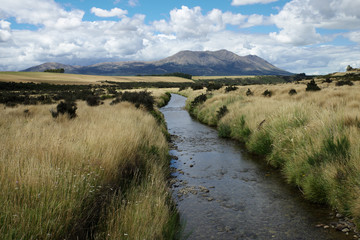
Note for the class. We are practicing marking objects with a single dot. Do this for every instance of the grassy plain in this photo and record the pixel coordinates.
(102, 175)
(64, 78)
(312, 137)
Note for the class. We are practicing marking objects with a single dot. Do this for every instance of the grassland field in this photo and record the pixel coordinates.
(101, 175)
(64, 78)
(104, 174)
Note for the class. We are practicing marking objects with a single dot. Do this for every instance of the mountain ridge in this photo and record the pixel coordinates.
(197, 63)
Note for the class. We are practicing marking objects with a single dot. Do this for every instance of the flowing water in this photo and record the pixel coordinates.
(222, 192)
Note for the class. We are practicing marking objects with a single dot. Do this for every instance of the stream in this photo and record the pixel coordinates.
(223, 192)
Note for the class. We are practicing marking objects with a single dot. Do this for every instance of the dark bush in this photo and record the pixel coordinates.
(138, 98)
(65, 108)
(312, 86)
(197, 86)
(327, 80)
(267, 93)
(292, 92)
(249, 92)
(93, 100)
(222, 112)
(231, 88)
(344, 82)
(183, 88)
(214, 86)
(59, 70)
(199, 99)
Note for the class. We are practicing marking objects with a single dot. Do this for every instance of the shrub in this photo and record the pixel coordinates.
(292, 92)
(138, 98)
(344, 82)
(312, 86)
(267, 93)
(197, 86)
(249, 92)
(199, 99)
(230, 88)
(214, 86)
(327, 80)
(221, 112)
(67, 107)
(93, 100)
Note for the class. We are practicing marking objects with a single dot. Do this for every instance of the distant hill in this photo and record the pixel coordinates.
(197, 63)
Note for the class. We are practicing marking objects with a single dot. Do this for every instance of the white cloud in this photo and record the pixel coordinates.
(115, 12)
(191, 23)
(248, 2)
(5, 31)
(40, 12)
(299, 20)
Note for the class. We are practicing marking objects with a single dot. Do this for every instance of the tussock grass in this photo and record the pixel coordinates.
(100, 175)
(312, 137)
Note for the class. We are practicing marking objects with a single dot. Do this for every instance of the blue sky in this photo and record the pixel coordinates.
(312, 36)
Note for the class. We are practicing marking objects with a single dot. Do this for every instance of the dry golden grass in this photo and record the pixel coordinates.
(64, 78)
(313, 137)
(57, 175)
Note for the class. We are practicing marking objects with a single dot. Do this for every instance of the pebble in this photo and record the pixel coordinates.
(345, 230)
(339, 215)
(326, 226)
(210, 199)
(191, 165)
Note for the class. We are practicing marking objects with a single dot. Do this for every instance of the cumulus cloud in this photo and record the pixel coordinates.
(299, 20)
(41, 12)
(5, 31)
(115, 12)
(191, 23)
(247, 2)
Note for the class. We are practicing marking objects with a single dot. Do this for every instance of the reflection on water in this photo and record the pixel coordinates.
(224, 193)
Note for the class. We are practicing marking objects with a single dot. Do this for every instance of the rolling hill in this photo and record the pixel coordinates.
(197, 63)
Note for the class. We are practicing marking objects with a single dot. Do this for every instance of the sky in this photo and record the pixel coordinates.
(300, 36)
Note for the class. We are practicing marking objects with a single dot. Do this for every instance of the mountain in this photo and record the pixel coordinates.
(52, 65)
(197, 63)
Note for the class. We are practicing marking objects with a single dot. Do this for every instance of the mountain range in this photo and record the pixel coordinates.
(197, 63)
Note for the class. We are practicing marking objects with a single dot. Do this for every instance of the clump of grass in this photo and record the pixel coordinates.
(224, 130)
